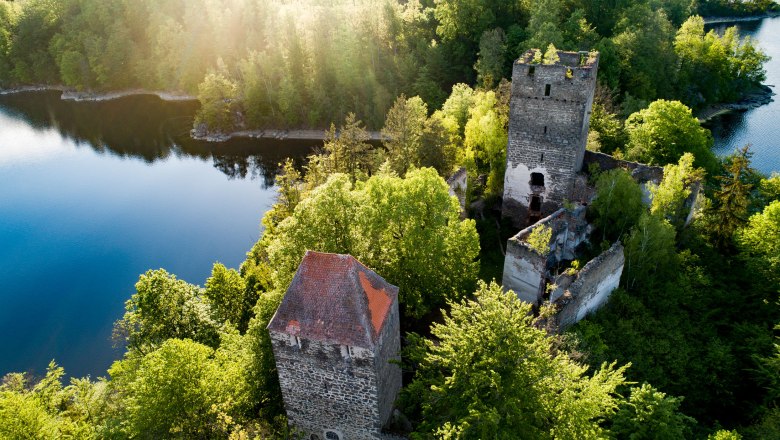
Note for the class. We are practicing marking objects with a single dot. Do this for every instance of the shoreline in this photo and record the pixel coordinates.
(70, 94)
(762, 96)
(736, 18)
(270, 133)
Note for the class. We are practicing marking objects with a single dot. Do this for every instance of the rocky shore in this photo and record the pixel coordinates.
(716, 20)
(70, 94)
(202, 134)
(761, 96)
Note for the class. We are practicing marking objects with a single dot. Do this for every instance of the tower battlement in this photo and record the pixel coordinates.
(550, 110)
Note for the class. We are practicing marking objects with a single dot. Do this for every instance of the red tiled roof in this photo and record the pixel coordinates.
(334, 298)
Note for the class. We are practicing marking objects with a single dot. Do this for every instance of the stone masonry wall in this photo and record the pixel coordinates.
(525, 270)
(592, 287)
(388, 371)
(457, 183)
(640, 172)
(547, 133)
(328, 387)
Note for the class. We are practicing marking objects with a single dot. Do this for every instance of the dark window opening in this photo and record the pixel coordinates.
(537, 179)
(541, 158)
(536, 203)
(546, 90)
(330, 435)
(545, 129)
(531, 70)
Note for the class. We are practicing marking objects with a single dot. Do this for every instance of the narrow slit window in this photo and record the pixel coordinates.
(547, 90)
(531, 70)
(545, 129)
(541, 158)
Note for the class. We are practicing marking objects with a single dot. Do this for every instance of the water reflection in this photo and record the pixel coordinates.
(758, 127)
(147, 128)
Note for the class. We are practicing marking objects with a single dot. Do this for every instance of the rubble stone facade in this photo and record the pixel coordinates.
(549, 115)
(335, 338)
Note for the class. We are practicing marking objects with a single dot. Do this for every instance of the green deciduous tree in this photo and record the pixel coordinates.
(618, 203)
(488, 372)
(217, 96)
(669, 197)
(760, 239)
(486, 138)
(407, 229)
(650, 251)
(661, 133)
(164, 307)
(182, 389)
(652, 415)
(228, 296)
(402, 133)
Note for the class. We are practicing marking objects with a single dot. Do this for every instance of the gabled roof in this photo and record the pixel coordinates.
(334, 298)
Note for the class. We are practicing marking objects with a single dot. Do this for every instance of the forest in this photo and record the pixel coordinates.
(686, 347)
(280, 64)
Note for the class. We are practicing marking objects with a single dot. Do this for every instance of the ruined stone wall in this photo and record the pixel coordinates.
(328, 387)
(592, 286)
(525, 270)
(640, 172)
(457, 183)
(388, 372)
(548, 129)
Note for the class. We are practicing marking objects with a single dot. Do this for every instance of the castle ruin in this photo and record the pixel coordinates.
(335, 338)
(549, 114)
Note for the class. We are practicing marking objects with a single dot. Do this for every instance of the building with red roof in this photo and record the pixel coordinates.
(335, 336)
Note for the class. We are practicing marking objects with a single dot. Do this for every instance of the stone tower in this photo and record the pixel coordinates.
(334, 337)
(549, 115)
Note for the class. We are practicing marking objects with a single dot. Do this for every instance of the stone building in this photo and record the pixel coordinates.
(549, 115)
(576, 293)
(335, 337)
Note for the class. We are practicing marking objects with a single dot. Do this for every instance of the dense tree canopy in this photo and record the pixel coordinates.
(489, 373)
(661, 133)
(306, 64)
(407, 229)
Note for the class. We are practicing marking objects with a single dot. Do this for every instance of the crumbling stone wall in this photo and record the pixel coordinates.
(640, 172)
(592, 286)
(457, 183)
(525, 269)
(349, 391)
(550, 110)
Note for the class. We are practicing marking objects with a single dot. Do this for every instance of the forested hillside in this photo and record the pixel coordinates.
(686, 347)
(308, 63)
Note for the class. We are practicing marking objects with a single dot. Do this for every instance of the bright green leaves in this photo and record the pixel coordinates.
(217, 95)
(164, 307)
(488, 372)
(663, 132)
(669, 198)
(408, 230)
(618, 203)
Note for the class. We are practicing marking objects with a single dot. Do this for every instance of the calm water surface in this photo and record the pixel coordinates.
(94, 194)
(758, 127)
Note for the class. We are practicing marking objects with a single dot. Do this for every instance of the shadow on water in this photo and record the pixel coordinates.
(757, 127)
(147, 128)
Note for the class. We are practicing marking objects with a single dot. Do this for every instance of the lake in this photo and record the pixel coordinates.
(758, 127)
(92, 194)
